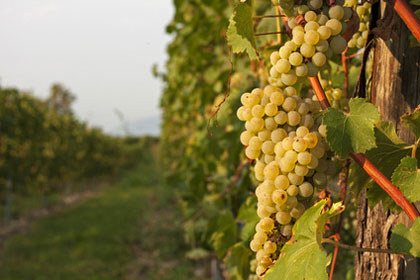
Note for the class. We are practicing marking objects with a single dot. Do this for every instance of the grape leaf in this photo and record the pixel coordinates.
(386, 156)
(225, 236)
(412, 121)
(303, 257)
(351, 131)
(248, 215)
(407, 178)
(406, 240)
(240, 32)
(237, 261)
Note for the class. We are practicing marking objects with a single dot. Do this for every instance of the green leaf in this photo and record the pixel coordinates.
(352, 131)
(389, 152)
(248, 215)
(240, 33)
(303, 257)
(406, 240)
(237, 262)
(407, 177)
(225, 236)
(412, 121)
(415, 2)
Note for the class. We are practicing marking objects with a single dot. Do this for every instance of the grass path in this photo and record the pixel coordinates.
(131, 231)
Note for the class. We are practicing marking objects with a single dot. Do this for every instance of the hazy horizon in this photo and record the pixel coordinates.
(103, 51)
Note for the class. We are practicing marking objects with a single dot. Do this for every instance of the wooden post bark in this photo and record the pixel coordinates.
(395, 90)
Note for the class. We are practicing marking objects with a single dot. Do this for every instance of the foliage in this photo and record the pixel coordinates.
(201, 151)
(406, 240)
(352, 131)
(303, 257)
(43, 146)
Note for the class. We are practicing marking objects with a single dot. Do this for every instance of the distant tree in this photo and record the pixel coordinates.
(60, 99)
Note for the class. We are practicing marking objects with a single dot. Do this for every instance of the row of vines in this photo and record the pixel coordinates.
(273, 153)
(44, 148)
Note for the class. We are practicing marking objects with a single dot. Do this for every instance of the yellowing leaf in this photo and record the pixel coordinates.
(303, 257)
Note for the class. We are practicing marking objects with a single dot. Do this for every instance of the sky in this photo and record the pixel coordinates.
(102, 50)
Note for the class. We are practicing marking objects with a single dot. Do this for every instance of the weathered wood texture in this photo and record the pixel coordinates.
(395, 90)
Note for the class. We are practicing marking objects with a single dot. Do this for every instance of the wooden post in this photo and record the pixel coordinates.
(395, 90)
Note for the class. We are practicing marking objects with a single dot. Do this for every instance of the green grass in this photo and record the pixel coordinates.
(131, 231)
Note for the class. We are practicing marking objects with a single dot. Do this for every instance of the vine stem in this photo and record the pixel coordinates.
(278, 26)
(358, 249)
(269, 16)
(414, 150)
(344, 59)
(394, 192)
(269, 33)
(408, 16)
(356, 54)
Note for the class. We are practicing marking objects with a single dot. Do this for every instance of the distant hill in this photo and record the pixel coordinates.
(146, 126)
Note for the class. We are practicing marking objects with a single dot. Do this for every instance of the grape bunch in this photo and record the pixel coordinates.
(363, 11)
(285, 138)
(316, 38)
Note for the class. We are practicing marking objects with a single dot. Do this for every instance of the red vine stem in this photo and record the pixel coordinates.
(408, 16)
(394, 192)
(344, 59)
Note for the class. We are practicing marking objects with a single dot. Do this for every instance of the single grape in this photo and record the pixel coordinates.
(289, 78)
(281, 182)
(283, 218)
(290, 91)
(293, 118)
(252, 154)
(274, 57)
(257, 111)
(271, 171)
(294, 178)
(277, 98)
(281, 117)
(268, 147)
(335, 26)
(283, 66)
(336, 12)
(306, 189)
(310, 15)
(319, 59)
(312, 37)
(278, 135)
(301, 70)
(289, 104)
(267, 224)
(295, 59)
(338, 44)
(312, 25)
(279, 197)
(301, 170)
(285, 52)
(304, 158)
(270, 124)
(307, 50)
(270, 247)
(314, 5)
(270, 109)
